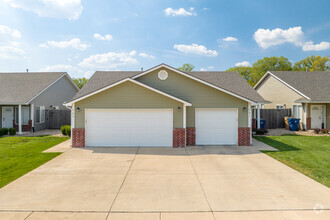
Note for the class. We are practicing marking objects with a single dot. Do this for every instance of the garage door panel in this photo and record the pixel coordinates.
(216, 126)
(136, 127)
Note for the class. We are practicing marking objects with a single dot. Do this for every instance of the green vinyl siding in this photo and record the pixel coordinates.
(125, 96)
(200, 95)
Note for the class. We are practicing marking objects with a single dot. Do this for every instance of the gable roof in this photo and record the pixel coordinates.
(21, 88)
(137, 83)
(313, 86)
(229, 82)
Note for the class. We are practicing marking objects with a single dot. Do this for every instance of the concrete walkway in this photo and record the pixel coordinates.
(216, 182)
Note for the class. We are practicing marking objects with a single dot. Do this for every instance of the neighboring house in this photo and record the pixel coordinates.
(163, 107)
(26, 96)
(306, 93)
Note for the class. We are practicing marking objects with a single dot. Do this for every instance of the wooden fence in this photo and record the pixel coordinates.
(56, 118)
(275, 117)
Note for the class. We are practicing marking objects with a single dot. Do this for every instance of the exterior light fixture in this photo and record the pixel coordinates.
(244, 109)
(78, 109)
(179, 108)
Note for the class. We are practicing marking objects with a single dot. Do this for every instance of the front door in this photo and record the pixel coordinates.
(7, 116)
(317, 116)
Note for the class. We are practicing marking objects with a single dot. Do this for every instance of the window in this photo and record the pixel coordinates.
(297, 111)
(25, 115)
(262, 106)
(280, 107)
(40, 114)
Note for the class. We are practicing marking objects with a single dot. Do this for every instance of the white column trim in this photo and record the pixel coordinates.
(184, 116)
(73, 109)
(32, 115)
(250, 121)
(19, 119)
(258, 116)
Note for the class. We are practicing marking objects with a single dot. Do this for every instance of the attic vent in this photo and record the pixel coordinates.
(162, 75)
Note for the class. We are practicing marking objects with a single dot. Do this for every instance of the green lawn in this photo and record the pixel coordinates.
(20, 155)
(309, 155)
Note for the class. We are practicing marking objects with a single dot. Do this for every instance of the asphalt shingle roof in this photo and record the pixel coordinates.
(315, 85)
(230, 81)
(22, 87)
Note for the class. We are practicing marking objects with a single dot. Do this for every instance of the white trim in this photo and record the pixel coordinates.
(268, 72)
(307, 101)
(19, 119)
(184, 116)
(258, 116)
(219, 109)
(46, 88)
(73, 120)
(191, 77)
(133, 81)
(40, 121)
(32, 114)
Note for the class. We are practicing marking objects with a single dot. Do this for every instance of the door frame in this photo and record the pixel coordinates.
(127, 109)
(6, 106)
(236, 109)
(324, 114)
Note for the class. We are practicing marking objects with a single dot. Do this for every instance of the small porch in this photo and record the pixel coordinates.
(17, 116)
(317, 115)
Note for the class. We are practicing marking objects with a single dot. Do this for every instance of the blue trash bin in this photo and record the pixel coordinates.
(262, 123)
(293, 123)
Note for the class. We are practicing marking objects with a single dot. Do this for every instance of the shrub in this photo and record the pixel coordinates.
(324, 131)
(4, 131)
(12, 131)
(66, 130)
(261, 131)
(317, 130)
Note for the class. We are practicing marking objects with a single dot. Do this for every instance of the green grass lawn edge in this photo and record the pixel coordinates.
(309, 155)
(20, 155)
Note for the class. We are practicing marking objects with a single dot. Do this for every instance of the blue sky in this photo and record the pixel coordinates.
(81, 37)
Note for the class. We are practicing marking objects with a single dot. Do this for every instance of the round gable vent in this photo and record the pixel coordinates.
(162, 75)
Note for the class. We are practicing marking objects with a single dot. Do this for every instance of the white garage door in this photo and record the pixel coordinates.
(129, 128)
(216, 126)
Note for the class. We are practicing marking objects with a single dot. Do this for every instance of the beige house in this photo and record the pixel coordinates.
(162, 107)
(306, 93)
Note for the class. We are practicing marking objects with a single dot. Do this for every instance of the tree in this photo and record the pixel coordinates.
(80, 82)
(244, 71)
(260, 67)
(187, 67)
(313, 63)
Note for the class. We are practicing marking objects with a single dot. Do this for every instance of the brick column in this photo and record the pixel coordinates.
(179, 139)
(308, 123)
(78, 137)
(244, 136)
(191, 136)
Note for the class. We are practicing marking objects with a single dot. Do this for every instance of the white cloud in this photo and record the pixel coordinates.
(109, 60)
(230, 39)
(72, 70)
(60, 68)
(100, 37)
(266, 38)
(179, 12)
(10, 52)
(68, 9)
(244, 63)
(144, 55)
(208, 68)
(74, 43)
(9, 31)
(195, 49)
(43, 45)
(308, 46)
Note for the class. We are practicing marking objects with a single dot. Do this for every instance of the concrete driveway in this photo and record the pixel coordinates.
(220, 182)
